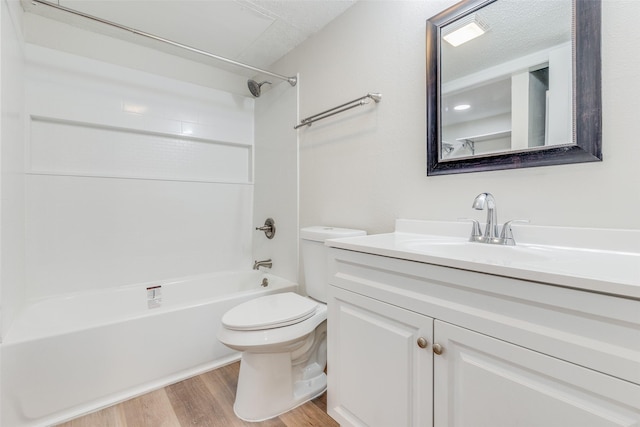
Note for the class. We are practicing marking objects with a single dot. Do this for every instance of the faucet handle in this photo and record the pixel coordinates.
(506, 236)
(269, 228)
(475, 229)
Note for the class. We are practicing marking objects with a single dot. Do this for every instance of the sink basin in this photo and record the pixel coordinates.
(575, 262)
(479, 252)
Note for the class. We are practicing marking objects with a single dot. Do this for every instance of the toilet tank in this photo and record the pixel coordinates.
(314, 257)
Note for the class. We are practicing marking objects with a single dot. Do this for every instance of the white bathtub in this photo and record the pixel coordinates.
(73, 354)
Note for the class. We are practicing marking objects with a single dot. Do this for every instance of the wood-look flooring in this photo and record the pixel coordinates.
(205, 400)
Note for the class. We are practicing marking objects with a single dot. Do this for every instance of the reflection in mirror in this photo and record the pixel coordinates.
(500, 76)
(496, 88)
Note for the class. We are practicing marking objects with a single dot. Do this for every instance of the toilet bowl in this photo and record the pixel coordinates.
(283, 357)
(283, 338)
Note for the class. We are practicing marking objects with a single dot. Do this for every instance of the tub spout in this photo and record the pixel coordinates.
(265, 263)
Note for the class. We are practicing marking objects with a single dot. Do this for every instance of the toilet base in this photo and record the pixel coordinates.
(266, 387)
(273, 383)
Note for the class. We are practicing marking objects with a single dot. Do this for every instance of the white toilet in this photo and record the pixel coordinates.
(283, 337)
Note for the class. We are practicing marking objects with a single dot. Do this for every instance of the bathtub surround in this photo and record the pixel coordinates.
(276, 178)
(12, 192)
(128, 177)
(12, 221)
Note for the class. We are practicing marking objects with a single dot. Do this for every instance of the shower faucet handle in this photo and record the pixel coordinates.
(269, 228)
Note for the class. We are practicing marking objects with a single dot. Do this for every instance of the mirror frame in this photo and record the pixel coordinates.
(587, 101)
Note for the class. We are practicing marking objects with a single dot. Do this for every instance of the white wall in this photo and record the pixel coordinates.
(12, 274)
(365, 168)
(131, 177)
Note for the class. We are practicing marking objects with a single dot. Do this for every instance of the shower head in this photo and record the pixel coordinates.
(254, 87)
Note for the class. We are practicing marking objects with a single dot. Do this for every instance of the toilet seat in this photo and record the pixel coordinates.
(270, 311)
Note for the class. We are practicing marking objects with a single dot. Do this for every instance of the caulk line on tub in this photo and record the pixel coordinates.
(154, 296)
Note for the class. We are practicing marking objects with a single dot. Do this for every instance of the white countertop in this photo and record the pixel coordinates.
(598, 260)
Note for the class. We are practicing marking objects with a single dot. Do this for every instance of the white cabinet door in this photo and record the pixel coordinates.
(378, 373)
(485, 382)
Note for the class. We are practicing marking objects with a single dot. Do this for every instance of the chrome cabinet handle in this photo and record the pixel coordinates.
(422, 342)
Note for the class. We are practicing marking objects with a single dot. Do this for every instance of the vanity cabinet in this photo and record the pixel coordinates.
(509, 352)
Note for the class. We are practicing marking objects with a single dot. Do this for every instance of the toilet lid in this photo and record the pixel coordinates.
(270, 311)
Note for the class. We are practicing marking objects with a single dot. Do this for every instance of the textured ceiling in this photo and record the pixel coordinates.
(255, 32)
(516, 28)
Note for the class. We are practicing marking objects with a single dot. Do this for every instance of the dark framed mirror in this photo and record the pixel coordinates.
(524, 90)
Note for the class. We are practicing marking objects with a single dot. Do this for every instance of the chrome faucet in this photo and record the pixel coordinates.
(481, 201)
(486, 200)
(264, 263)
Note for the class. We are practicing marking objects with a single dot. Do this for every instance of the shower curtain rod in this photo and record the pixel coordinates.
(292, 80)
(377, 97)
